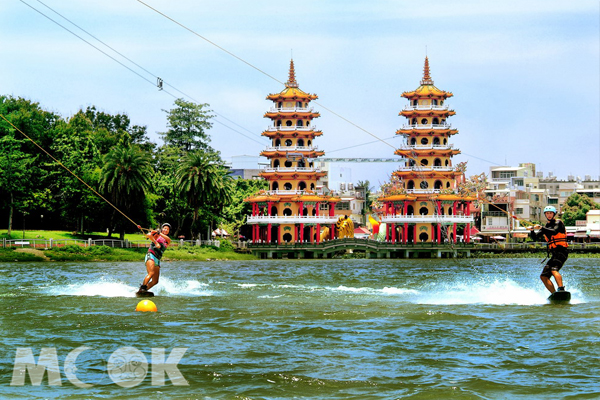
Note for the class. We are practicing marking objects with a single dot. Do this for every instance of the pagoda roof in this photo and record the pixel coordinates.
(292, 90)
(292, 133)
(429, 131)
(398, 197)
(427, 113)
(454, 197)
(293, 174)
(426, 152)
(316, 198)
(427, 88)
(284, 153)
(262, 198)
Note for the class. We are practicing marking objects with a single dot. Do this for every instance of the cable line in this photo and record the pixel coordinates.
(72, 173)
(158, 81)
(258, 69)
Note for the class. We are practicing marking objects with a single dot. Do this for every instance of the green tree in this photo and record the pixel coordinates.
(205, 183)
(237, 210)
(22, 169)
(576, 207)
(188, 124)
(126, 177)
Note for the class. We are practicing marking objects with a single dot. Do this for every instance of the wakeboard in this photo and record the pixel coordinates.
(144, 294)
(560, 297)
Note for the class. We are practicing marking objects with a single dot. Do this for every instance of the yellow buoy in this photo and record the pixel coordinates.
(146, 305)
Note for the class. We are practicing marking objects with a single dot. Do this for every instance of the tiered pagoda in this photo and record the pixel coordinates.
(427, 202)
(293, 210)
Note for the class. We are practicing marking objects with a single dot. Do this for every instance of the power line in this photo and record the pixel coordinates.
(258, 69)
(157, 79)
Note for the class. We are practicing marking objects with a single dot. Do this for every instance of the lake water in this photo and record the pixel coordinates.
(313, 329)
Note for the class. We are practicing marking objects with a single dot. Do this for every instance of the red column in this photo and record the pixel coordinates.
(387, 233)
(318, 205)
(468, 233)
(332, 232)
(331, 209)
(439, 233)
(318, 231)
(393, 233)
(433, 232)
(454, 233)
(405, 232)
(301, 204)
(269, 233)
(269, 208)
(302, 232)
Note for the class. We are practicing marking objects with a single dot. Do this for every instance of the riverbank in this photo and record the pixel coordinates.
(105, 253)
(193, 253)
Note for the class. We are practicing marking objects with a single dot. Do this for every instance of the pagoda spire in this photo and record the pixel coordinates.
(426, 77)
(292, 77)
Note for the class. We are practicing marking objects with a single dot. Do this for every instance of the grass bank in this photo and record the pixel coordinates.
(105, 253)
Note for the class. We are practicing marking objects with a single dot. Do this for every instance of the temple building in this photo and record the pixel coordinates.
(293, 210)
(425, 201)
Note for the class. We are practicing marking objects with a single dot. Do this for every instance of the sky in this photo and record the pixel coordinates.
(525, 74)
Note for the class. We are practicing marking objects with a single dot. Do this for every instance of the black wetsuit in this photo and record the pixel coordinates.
(558, 253)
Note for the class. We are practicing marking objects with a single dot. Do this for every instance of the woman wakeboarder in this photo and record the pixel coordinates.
(160, 242)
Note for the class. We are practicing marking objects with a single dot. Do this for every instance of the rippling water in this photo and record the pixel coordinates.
(358, 329)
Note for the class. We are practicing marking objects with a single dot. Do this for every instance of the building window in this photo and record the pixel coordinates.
(424, 185)
(287, 186)
(424, 141)
(424, 121)
(288, 142)
(287, 237)
(343, 205)
(287, 212)
(288, 164)
(288, 123)
(552, 201)
(519, 211)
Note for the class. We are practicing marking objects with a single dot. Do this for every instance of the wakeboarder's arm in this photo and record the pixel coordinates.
(153, 238)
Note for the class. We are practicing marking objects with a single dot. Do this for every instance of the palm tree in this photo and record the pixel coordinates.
(204, 181)
(126, 178)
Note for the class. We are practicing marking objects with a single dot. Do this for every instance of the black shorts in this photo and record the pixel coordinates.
(559, 257)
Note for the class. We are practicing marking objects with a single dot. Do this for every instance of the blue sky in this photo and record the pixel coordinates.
(525, 74)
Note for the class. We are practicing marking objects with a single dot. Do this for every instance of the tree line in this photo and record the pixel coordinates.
(184, 181)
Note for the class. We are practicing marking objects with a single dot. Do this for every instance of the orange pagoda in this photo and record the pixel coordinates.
(426, 202)
(293, 210)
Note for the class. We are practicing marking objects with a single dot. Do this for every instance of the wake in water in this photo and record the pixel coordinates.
(493, 290)
(114, 288)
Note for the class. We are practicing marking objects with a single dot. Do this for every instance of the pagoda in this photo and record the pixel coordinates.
(425, 201)
(293, 210)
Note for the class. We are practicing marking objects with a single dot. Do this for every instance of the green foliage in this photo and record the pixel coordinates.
(188, 123)
(204, 182)
(184, 181)
(576, 208)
